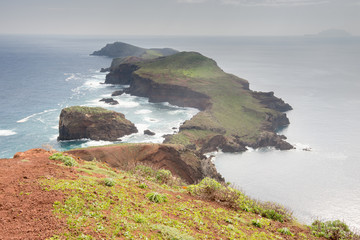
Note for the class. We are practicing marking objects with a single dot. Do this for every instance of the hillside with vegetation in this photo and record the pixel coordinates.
(232, 116)
(51, 195)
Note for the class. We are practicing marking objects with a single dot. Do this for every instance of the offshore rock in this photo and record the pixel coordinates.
(110, 101)
(93, 123)
(148, 132)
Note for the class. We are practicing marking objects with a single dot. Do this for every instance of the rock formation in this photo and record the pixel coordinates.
(148, 132)
(93, 123)
(110, 101)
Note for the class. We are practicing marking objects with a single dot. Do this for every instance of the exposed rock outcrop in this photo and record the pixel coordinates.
(148, 132)
(110, 101)
(93, 123)
(179, 160)
(272, 102)
(118, 93)
(176, 95)
(270, 139)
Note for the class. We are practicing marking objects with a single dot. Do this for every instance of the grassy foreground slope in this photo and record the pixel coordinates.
(47, 195)
(233, 110)
(104, 203)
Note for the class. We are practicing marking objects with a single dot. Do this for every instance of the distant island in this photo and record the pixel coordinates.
(331, 33)
(232, 116)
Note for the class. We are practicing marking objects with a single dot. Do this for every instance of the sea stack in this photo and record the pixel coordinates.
(93, 123)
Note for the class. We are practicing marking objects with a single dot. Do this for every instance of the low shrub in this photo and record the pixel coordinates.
(144, 171)
(156, 197)
(138, 218)
(272, 214)
(334, 230)
(109, 182)
(163, 176)
(256, 223)
(143, 185)
(67, 160)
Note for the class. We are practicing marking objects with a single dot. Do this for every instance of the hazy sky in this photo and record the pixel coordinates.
(178, 17)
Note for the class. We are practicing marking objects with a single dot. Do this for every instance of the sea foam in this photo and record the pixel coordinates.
(33, 115)
(4, 133)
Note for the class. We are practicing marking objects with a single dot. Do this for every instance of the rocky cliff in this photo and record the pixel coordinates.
(93, 123)
(232, 116)
(179, 160)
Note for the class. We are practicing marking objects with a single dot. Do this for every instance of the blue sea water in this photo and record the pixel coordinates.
(40, 75)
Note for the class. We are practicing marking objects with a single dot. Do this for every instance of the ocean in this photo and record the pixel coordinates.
(318, 77)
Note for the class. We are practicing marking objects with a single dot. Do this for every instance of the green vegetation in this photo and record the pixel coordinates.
(109, 182)
(235, 113)
(67, 160)
(285, 231)
(93, 210)
(336, 230)
(211, 189)
(88, 110)
(156, 197)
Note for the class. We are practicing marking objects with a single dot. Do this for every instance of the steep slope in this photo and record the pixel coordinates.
(43, 198)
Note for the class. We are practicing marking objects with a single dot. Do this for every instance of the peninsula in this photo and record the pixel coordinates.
(231, 116)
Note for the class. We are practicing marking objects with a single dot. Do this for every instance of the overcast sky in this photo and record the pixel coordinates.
(178, 17)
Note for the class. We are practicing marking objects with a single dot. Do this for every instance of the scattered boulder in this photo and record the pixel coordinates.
(94, 123)
(110, 101)
(105, 70)
(148, 132)
(273, 140)
(118, 93)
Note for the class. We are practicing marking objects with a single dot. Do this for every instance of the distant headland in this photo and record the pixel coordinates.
(331, 33)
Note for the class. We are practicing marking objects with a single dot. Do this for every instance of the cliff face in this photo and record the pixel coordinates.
(93, 123)
(176, 95)
(180, 161)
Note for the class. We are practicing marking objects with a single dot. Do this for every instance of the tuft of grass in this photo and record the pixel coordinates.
(334, 230)
(171, 233)
(256, 223)
(67, 160)
(143, 185)
(285, 231)
(139, 218)
(156, 197)
(109, 182)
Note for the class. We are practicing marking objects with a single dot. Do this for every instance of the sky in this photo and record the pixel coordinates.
(178, 17)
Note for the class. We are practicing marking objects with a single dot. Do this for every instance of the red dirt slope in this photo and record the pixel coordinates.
(25, 208)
